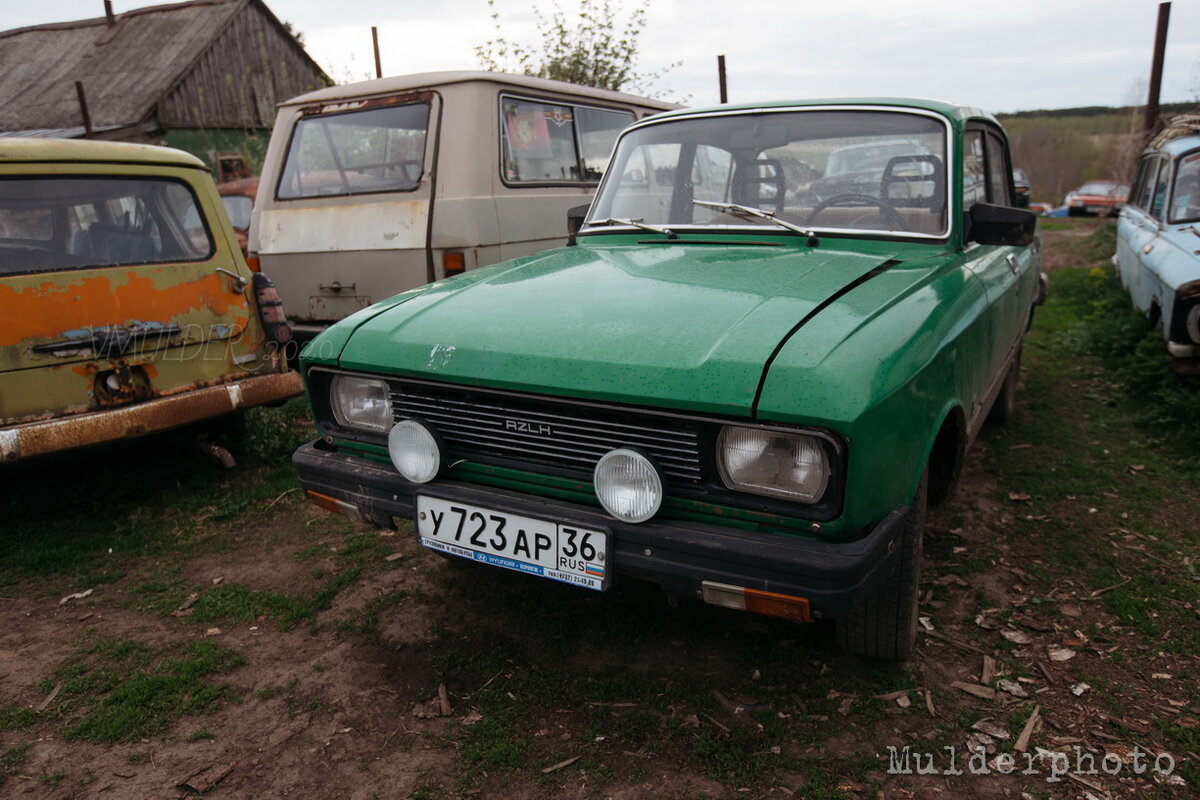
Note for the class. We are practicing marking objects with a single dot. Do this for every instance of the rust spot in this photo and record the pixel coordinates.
(47, 310)
(158, 414)
(121, 385)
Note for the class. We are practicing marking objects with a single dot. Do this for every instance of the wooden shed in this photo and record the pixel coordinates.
(203, 76)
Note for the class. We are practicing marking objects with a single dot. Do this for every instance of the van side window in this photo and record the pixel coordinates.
(545, 142)
(378, 149)
(598, 130)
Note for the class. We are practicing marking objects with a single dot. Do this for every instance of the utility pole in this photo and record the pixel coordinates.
(375, 41)
(1150, 125)
(721, 79)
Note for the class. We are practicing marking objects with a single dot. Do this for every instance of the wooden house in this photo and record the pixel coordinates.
(203, 76)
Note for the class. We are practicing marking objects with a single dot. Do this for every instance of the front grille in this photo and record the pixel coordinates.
(521, 430)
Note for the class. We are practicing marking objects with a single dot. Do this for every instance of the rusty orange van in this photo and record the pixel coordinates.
(126, 307)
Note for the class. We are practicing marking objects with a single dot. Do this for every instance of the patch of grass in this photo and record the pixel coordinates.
(52, 779)
(235, 603)
(201, 734)
(1134, 355)
(366, 619)
(12, 759)
(14, 719)
(147, 497)
(119, 691)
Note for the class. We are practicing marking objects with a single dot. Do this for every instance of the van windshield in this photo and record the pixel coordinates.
(70, 222)
(375, 149)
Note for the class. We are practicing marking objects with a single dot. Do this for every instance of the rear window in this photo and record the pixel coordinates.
(72, 222)
(380, 148)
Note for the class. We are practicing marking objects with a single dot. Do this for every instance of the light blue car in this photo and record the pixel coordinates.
(1158, 240)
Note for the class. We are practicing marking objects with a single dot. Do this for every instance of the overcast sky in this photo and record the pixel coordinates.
(1003, 56)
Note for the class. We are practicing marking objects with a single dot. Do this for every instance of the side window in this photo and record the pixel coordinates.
(974, 184)
(539, 142)
(1143, 184)
(1185, 199)
(544, 142)
(598, 131)
(999, 174)
(1158, 199)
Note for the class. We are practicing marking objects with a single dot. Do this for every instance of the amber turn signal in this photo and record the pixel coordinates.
(757, 601)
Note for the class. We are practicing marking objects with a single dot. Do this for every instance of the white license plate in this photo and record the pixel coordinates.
(569, 553)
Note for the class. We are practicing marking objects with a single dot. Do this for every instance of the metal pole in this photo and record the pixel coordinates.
(721, 78)
(375, 40)
(83, 107)
(1156, 70)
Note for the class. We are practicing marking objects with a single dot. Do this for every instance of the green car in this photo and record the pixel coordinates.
(729, 384)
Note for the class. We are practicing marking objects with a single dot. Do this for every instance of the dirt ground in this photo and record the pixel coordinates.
(323, 711)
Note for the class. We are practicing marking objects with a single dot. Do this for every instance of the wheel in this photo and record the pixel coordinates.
(883, 622)
(1006, 402)
(889, 212)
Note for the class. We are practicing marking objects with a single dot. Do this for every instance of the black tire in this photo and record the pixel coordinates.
(883, 623)
(1005, 404)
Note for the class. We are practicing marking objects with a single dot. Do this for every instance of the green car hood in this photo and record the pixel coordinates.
(687, 326)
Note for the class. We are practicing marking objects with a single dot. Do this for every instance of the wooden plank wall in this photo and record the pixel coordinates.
(239, 79)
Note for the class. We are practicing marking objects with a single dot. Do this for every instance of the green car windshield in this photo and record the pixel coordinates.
(844, 170)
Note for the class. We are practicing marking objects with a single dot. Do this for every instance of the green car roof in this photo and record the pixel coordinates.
(951, 111)
(32, 150)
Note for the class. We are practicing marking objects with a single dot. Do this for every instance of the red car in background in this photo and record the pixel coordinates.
(238, 199)
(1097, 197)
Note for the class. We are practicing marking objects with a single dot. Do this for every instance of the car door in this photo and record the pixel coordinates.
(1007, 273)
(1138, 233)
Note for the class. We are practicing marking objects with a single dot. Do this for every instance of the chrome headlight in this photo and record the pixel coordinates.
(794, 466)
(361, 403)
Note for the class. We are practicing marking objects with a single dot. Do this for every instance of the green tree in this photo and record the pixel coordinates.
(595, 51)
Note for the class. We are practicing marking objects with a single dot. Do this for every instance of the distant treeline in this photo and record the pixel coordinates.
(1167, 109)
(1060, 149)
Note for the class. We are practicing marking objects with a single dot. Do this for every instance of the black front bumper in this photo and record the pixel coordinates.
(677, 555)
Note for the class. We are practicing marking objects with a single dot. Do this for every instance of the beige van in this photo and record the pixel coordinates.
(374, 188)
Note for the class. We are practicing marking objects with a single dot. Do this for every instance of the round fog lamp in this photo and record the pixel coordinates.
(628, 485)
(414, 451)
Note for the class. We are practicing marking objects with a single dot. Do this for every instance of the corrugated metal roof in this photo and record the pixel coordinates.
(125, 68)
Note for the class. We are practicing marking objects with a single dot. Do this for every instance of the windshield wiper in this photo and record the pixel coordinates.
(748, 211)
(637, 223)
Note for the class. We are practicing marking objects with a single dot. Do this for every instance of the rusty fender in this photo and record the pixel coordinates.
(152, 416)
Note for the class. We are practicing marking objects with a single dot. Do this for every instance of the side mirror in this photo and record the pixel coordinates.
(575, 217)
(988, 223)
